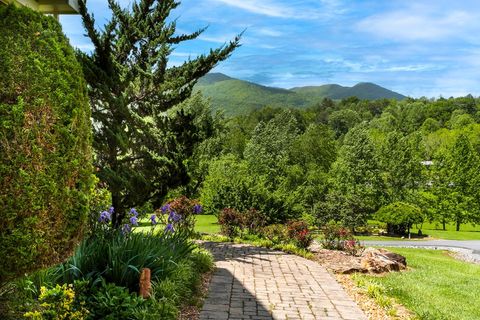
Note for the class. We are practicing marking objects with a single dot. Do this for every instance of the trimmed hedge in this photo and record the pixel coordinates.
(45, 139)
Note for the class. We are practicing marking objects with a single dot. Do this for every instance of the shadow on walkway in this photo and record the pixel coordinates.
(258, 283)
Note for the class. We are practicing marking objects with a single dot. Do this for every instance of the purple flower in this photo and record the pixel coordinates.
(169, 228)
(134, 221)
(126, 229)
(105, 216)
(173, 216)
(134, 212)
(165, 208)
(153, 219)
(111, 210)
(197, 209)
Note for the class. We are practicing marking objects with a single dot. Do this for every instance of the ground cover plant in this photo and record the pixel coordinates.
(436, 286)
(101, 279)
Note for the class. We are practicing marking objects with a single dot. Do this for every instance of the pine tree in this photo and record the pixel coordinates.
(140, 147)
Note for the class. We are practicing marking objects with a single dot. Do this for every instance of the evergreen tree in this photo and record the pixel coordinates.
(462, 173)
(357, 189)
(140, 147)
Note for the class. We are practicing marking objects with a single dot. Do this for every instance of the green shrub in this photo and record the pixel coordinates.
(399, 217)
(231, 184)
(60, 302)
(109, 301)
(230, 221)
(298, 232)
(180, 213)
(336, 237)
(118, 259)
(253, 220)
(277, 233)
(45, 138)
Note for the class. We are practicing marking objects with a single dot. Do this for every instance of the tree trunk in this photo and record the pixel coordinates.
(458, 225)
(118, 212)
(444, 225)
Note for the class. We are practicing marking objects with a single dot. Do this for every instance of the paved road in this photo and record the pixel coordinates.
(473, 245)
(262, 284)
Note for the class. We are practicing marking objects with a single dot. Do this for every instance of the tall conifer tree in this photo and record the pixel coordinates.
(140, 151)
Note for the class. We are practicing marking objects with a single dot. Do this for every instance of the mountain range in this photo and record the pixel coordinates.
(235, 96)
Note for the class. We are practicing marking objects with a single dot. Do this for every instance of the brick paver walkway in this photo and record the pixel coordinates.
(258, 283)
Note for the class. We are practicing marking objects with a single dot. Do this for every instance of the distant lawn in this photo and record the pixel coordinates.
(204, 224)
(467, 232)
(436, 287)
(207, 224)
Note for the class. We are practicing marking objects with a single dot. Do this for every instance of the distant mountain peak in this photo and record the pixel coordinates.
(213, 77)
(236, 96)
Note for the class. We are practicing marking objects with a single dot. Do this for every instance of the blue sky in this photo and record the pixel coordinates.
(418, 48)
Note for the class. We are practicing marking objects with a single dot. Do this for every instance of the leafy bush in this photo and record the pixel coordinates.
(277, 233)
(60, 302)
(180, 213)
(399, 217)
(231, 184)
(119, 258)
(299, 233)
(109, 301)
(253, 220)
(336, 237)
(230, 221)
(45, 143)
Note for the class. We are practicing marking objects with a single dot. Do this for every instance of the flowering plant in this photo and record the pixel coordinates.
(178, 213)
(300, 234)
(336, 237)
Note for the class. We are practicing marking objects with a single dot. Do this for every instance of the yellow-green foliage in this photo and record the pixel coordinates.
(45, 139)
(58, 303)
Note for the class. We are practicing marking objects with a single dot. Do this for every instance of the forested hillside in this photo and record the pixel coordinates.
(346, 161)
(236, 97)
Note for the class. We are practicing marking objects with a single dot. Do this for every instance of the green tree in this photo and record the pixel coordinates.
(462, 175)
(139, 148)
(401, 167)
(46, 172)
(357, 188)
(399, 217)
(343, 120)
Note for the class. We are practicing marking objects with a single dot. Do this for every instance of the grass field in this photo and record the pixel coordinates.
(208, 224)
(437, 287)
(467, 232)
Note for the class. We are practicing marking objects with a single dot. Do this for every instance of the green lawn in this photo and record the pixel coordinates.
(467, 232)
(207, 224)
(436, 287)
(204, 224)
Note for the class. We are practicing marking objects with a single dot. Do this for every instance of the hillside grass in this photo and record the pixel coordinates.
(435, 287)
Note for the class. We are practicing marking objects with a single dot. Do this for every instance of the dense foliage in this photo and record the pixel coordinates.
(45, 152)
(344, 160)
(141, 136)
(101, 280)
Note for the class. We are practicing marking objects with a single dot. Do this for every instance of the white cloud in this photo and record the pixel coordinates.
(265, 8)
(412, 24)
(217, 39)
(269, 32)
(288, 9)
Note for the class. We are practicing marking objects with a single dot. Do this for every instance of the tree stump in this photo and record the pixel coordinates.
(145, 284)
